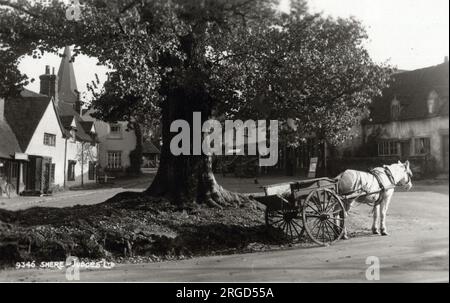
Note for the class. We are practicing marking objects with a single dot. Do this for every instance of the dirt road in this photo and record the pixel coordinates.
(416, 251)
(80, 196)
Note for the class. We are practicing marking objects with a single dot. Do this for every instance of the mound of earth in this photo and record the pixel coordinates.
(135, 228)
(130, 227)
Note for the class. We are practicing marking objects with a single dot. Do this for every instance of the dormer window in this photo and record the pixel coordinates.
(73, 135)
(395, 109)
(432, 103)
(115, 131)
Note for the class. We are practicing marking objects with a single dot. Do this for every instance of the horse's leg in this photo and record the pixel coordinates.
(376, 214)
(347, 206)
(384, 208)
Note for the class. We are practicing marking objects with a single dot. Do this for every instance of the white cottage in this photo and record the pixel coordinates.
(410, 121)
(57, 148)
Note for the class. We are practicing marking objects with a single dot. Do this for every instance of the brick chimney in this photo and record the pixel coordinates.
(49, 84)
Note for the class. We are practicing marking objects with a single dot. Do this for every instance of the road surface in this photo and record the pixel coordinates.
(80, 196)
(416, 251)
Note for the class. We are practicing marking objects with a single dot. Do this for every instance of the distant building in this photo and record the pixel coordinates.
(411, 119)
(116, 144)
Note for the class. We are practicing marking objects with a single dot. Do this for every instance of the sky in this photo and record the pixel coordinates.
(408, 34)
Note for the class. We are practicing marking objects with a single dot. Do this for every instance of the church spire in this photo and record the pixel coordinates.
(67, 84)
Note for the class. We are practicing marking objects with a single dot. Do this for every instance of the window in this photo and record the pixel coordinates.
(421, 146)
(388, 148)
(73, 135)
(52, 173)
(71, 170)
(114, 159)
(91, 171)
(49, 139)
(432, 102)
(14, 170)
(115, 128)
(395, 109)
(115, 131)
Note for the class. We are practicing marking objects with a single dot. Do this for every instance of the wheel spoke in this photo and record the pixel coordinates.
(328, 231)
(323, 232)
(314, 224)
(290, 230)
(282, 225)
(318, 232)
(324, 196)
(331, 203)
(277, 222)
(295, 222)
(277, 214)
(333, 229)
(336, 225)
(286, 229)
(295, 229)
(316, 210)
(313, 215)
(325, 200)
(319, 205)
(337, 211)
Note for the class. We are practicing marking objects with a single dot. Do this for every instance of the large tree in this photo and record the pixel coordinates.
(238, 58)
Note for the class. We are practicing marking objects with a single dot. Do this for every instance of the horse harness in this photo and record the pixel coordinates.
(377, 175)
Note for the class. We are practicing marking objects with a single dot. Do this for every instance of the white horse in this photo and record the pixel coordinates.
(374, 188)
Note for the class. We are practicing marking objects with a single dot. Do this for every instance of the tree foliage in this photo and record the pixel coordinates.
(241, 58)
(225, 58)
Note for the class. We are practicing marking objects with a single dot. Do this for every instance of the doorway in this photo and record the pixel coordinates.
(38, 178)
(405, 149)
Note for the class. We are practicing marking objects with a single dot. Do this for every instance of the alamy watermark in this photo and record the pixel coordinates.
(73, 266)
(255, 137)
(73, 11)
(373, 271)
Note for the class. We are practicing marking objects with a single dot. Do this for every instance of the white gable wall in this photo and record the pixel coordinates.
(49, 124)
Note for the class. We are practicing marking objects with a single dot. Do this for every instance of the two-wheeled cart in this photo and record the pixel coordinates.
(311, 205)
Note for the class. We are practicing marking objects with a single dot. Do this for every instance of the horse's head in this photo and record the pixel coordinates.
(402, 174)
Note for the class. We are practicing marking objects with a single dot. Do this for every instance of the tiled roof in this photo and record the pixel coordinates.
(66, 121)
(87, 125)
(23, 114)
(8, 142)
(412, 90)
(68, 114)
(28, 93)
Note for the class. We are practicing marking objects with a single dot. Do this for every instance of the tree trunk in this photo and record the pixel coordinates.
(187, 179)
(136, 154)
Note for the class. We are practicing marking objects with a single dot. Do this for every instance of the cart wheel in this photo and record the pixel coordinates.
(323, 216)
(289, 221)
